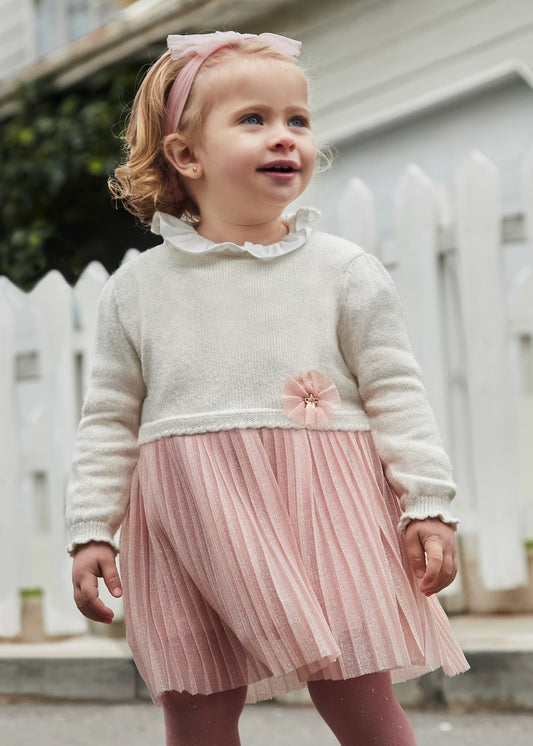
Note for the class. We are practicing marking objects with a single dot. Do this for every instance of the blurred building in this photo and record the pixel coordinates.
(33, 29)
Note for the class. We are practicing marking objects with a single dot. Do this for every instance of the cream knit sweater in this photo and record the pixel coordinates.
(197, 342)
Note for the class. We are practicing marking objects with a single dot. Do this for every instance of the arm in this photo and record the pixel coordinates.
(376, 347)
(106, 448)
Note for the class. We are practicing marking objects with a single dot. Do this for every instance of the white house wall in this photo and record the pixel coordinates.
(498, 122)
(376, 58)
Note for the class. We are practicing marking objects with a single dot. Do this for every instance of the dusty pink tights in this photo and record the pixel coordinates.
(203, 720)
(363, 711)
(360, 712)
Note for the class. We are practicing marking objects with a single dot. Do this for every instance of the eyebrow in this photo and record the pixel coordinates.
(252, 107)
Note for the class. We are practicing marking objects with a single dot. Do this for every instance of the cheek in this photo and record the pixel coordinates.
(243, 159)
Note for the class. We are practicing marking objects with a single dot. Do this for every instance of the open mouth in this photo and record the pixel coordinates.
(280, 168)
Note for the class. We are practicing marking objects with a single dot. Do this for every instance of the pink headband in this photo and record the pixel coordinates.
(203, 46)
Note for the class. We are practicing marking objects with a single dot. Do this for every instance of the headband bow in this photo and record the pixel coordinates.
(203, 46)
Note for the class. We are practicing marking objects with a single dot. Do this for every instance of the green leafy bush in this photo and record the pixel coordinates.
(56, 154)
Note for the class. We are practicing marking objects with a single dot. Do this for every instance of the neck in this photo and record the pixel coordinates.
(221, 231)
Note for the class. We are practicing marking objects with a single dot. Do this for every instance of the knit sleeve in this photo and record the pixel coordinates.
(375, 345)
(105, 450)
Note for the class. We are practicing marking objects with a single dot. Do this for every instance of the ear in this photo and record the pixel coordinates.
(181, 156)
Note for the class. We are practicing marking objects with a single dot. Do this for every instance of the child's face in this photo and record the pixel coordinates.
(257, 152)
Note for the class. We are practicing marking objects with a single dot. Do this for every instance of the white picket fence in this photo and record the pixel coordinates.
(472, 332)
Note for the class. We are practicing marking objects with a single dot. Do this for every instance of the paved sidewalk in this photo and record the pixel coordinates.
(499, 649)
(141, 724)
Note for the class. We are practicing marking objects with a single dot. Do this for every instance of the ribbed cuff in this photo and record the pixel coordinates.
(428, 507)
(91, 532)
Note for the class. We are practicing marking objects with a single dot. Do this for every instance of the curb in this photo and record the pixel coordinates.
(496, 680)
(80, 679)
(499, 650)
(501, 681)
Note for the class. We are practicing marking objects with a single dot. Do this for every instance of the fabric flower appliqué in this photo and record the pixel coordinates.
(311, 399)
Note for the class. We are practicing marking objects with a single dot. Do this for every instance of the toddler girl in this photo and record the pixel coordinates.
(256, 423)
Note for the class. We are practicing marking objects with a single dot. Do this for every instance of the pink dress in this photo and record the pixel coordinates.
(268, 558)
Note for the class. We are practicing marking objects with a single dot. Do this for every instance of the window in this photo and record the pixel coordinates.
(58, 22)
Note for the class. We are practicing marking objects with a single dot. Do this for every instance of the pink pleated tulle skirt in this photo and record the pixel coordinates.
(269, 558)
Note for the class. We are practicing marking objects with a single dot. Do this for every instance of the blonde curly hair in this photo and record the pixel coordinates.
(147, 181)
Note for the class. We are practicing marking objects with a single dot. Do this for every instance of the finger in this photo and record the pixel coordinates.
(111, 577)
(97, 611)
(88, 601)
(432, 577)
(448, 571)
(415, 553)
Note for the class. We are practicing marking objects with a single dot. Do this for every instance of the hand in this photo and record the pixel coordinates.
(94, 560)
(432, 553)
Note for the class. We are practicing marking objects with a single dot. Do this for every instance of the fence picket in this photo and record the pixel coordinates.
(419, 283)
(52, 303)
(9, 471)
(357, 216)
(491, 405)
(522, 327)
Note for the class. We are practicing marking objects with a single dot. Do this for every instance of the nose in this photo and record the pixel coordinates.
(281, 138)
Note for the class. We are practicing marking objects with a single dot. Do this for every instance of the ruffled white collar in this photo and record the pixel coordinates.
(184, 236)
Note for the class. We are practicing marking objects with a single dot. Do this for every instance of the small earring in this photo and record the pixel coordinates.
(194, 169)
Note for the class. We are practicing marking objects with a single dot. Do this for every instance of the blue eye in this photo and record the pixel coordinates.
(252, 119)
(298, 122)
